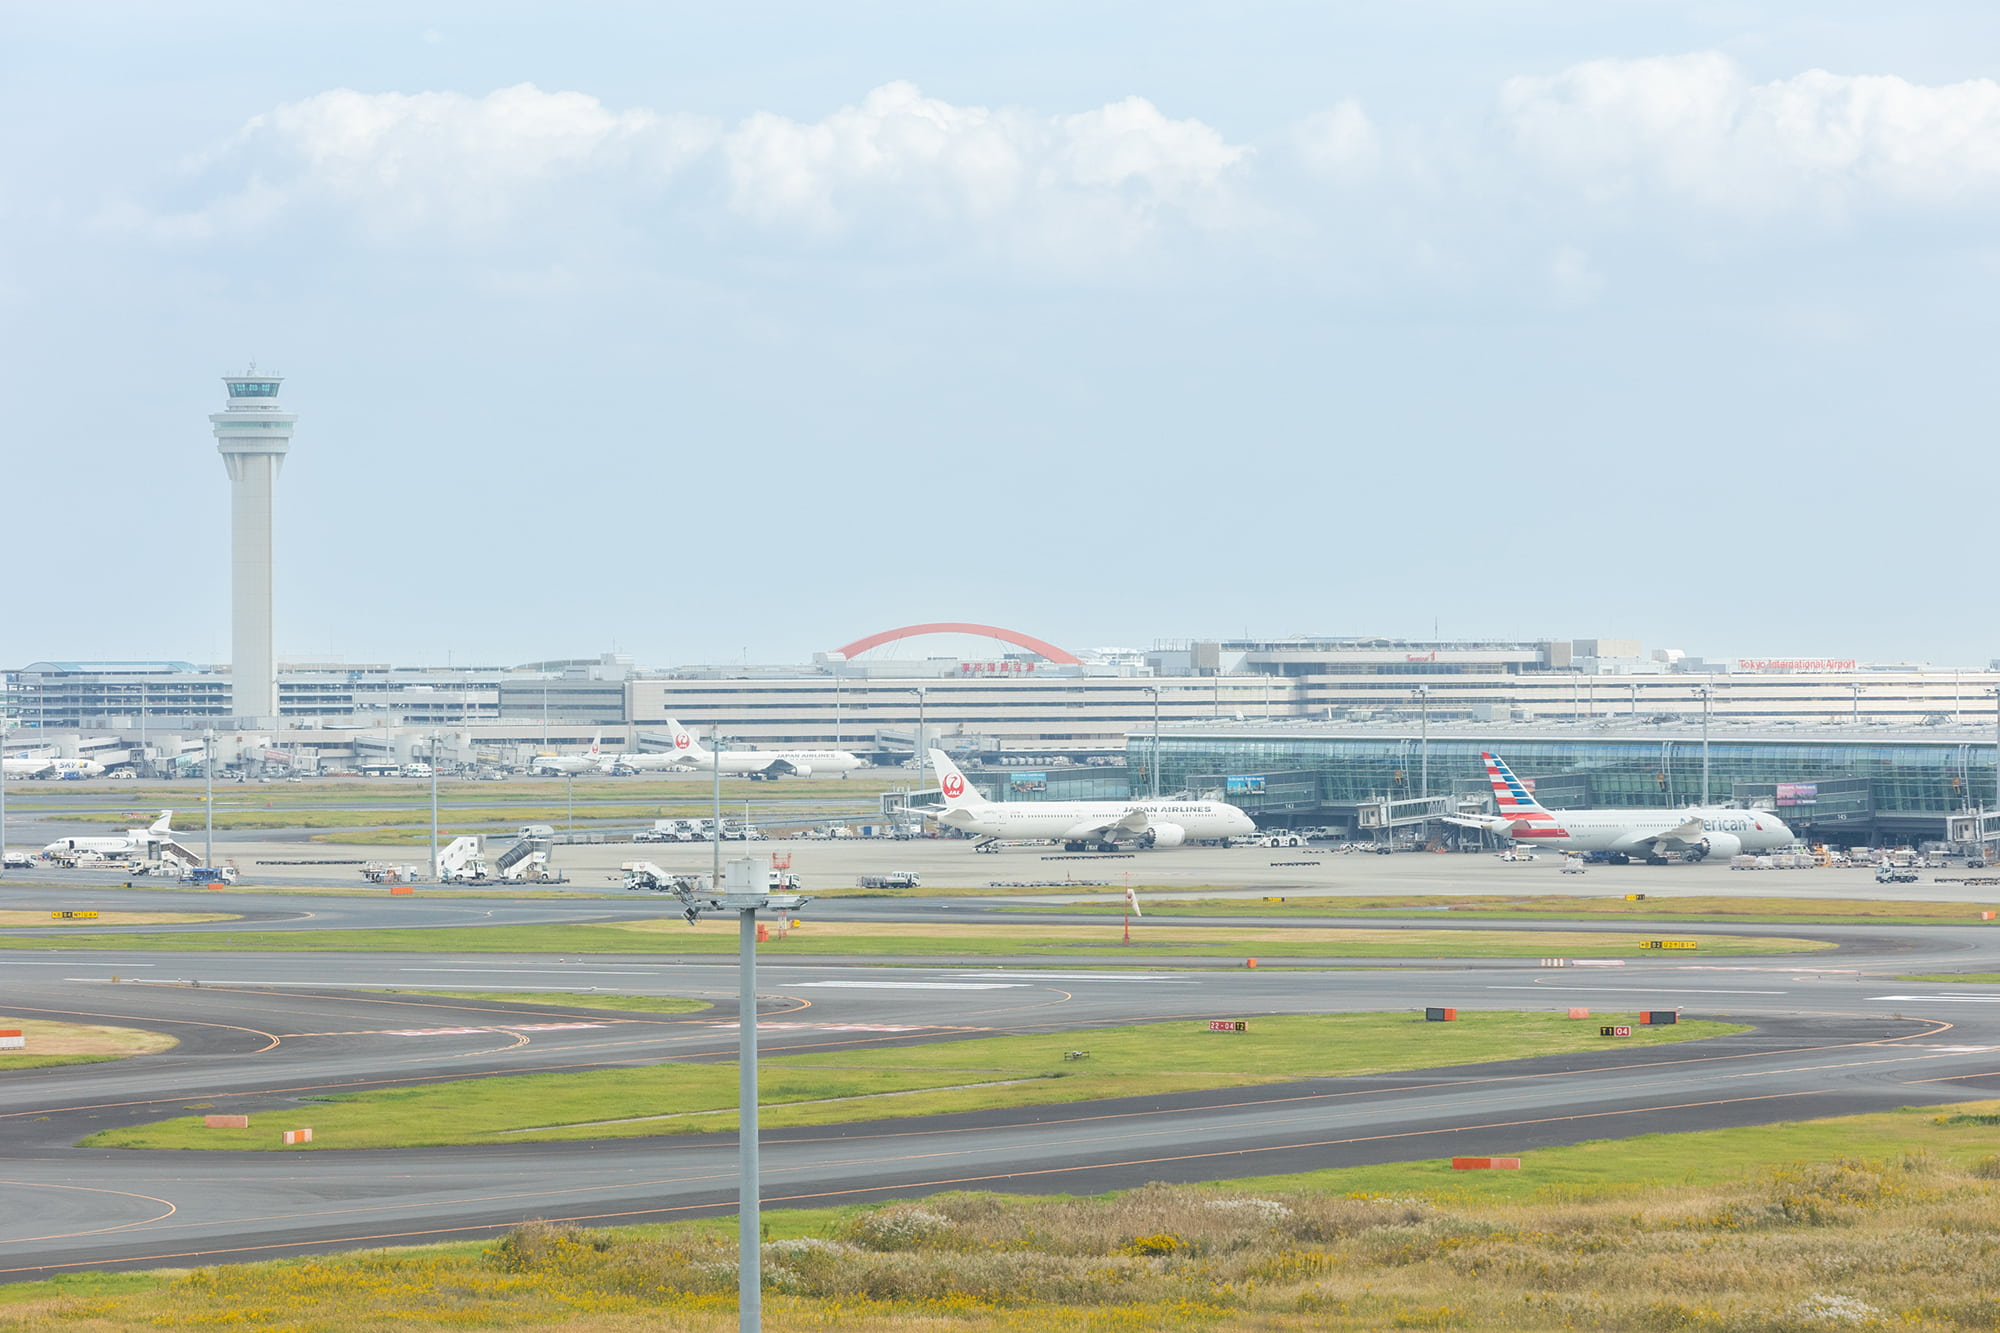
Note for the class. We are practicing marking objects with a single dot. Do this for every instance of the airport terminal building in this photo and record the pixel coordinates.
(1842, 783)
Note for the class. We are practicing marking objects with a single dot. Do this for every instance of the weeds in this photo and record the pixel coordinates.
(1908, 1241)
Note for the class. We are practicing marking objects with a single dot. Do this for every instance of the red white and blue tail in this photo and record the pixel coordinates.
(1517, 804)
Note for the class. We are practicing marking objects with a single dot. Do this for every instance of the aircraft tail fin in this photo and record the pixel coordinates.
(1509, 792)
(958, 793)
(685, 744)
(164, 824)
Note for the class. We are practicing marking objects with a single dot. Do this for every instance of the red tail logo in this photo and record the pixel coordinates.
(953, 785)
(682, 740)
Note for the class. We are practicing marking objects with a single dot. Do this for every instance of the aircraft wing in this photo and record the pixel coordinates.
(1690, 832)
(1489, 824)
(1130, 824)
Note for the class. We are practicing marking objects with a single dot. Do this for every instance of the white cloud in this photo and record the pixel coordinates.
(1695, 128)
(899, 154)
(412, 159)
(1341, 142)
(405, 163)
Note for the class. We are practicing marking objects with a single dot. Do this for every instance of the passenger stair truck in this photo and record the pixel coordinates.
(526, 861)
(461, 863)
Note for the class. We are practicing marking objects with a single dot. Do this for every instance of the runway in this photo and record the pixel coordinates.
(1834, 1034)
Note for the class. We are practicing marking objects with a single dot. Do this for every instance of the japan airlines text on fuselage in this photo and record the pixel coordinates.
(1167, 823)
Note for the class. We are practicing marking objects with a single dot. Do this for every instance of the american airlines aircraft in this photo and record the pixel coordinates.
(1695, 832)
(134, 840)
(1080, 825)
(691, 753)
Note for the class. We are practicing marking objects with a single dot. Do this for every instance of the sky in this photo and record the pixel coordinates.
(717, 333)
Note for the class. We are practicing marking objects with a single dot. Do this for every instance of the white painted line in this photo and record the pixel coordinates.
(1659, 989)
(1945, 999)
(1079, 976)
(534, 971)
(66, 962)
(908, 985)
(1663, 988)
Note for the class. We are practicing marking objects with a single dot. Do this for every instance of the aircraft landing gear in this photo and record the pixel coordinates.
(1619, 859)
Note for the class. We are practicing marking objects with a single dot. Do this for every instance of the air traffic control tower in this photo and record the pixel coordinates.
(253, 436)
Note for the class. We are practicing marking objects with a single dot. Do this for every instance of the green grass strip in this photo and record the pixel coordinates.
(672, 936)
(1722, 910)
(971, 1075)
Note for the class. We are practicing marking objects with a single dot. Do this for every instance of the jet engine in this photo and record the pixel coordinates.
(1165, 835)
(799, 770)
(1720, 844)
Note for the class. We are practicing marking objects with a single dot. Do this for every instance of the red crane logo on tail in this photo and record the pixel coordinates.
(953, 785)
(682, 740)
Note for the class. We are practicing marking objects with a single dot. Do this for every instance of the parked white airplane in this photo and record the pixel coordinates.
(561, 765)
(1694, 831)
(691, 753)
(26, 765)
(74, 768)
(1081, 825)
(134, 840)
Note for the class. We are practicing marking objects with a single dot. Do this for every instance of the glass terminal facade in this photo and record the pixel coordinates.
(1860, 786)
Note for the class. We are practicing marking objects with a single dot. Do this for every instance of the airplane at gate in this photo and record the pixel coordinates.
(1080, 825)
(1694, 831)
(691, 753)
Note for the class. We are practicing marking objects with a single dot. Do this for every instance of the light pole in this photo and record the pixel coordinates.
(208, 797)
(1702, 692)
(919, 692)
(1854, 716)
(437, 855)
(1424, 753)
(1153, 768)
(6, 725)
(715, 838)
(836, 711)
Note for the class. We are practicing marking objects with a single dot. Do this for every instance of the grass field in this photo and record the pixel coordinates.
(714, 936)
(52, 1043)
(975, 1074)
(1863, 1222)
(1774, 911)
(1958, 978)
(629, 1004)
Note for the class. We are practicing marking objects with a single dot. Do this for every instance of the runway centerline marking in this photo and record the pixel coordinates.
(1654, 990)
(1948, 999)
(538, 971)
(909, 985)
(1076, 976)
(1665, 985)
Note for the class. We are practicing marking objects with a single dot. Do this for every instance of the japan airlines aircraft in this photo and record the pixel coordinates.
(691, 753)
(1080, 825)
(1695, 831)
(561, 765)
(135, 840)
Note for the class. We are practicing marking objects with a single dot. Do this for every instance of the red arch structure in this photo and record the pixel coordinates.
(1019, 640)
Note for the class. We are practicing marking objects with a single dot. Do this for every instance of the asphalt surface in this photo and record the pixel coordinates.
(1834, 1033)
